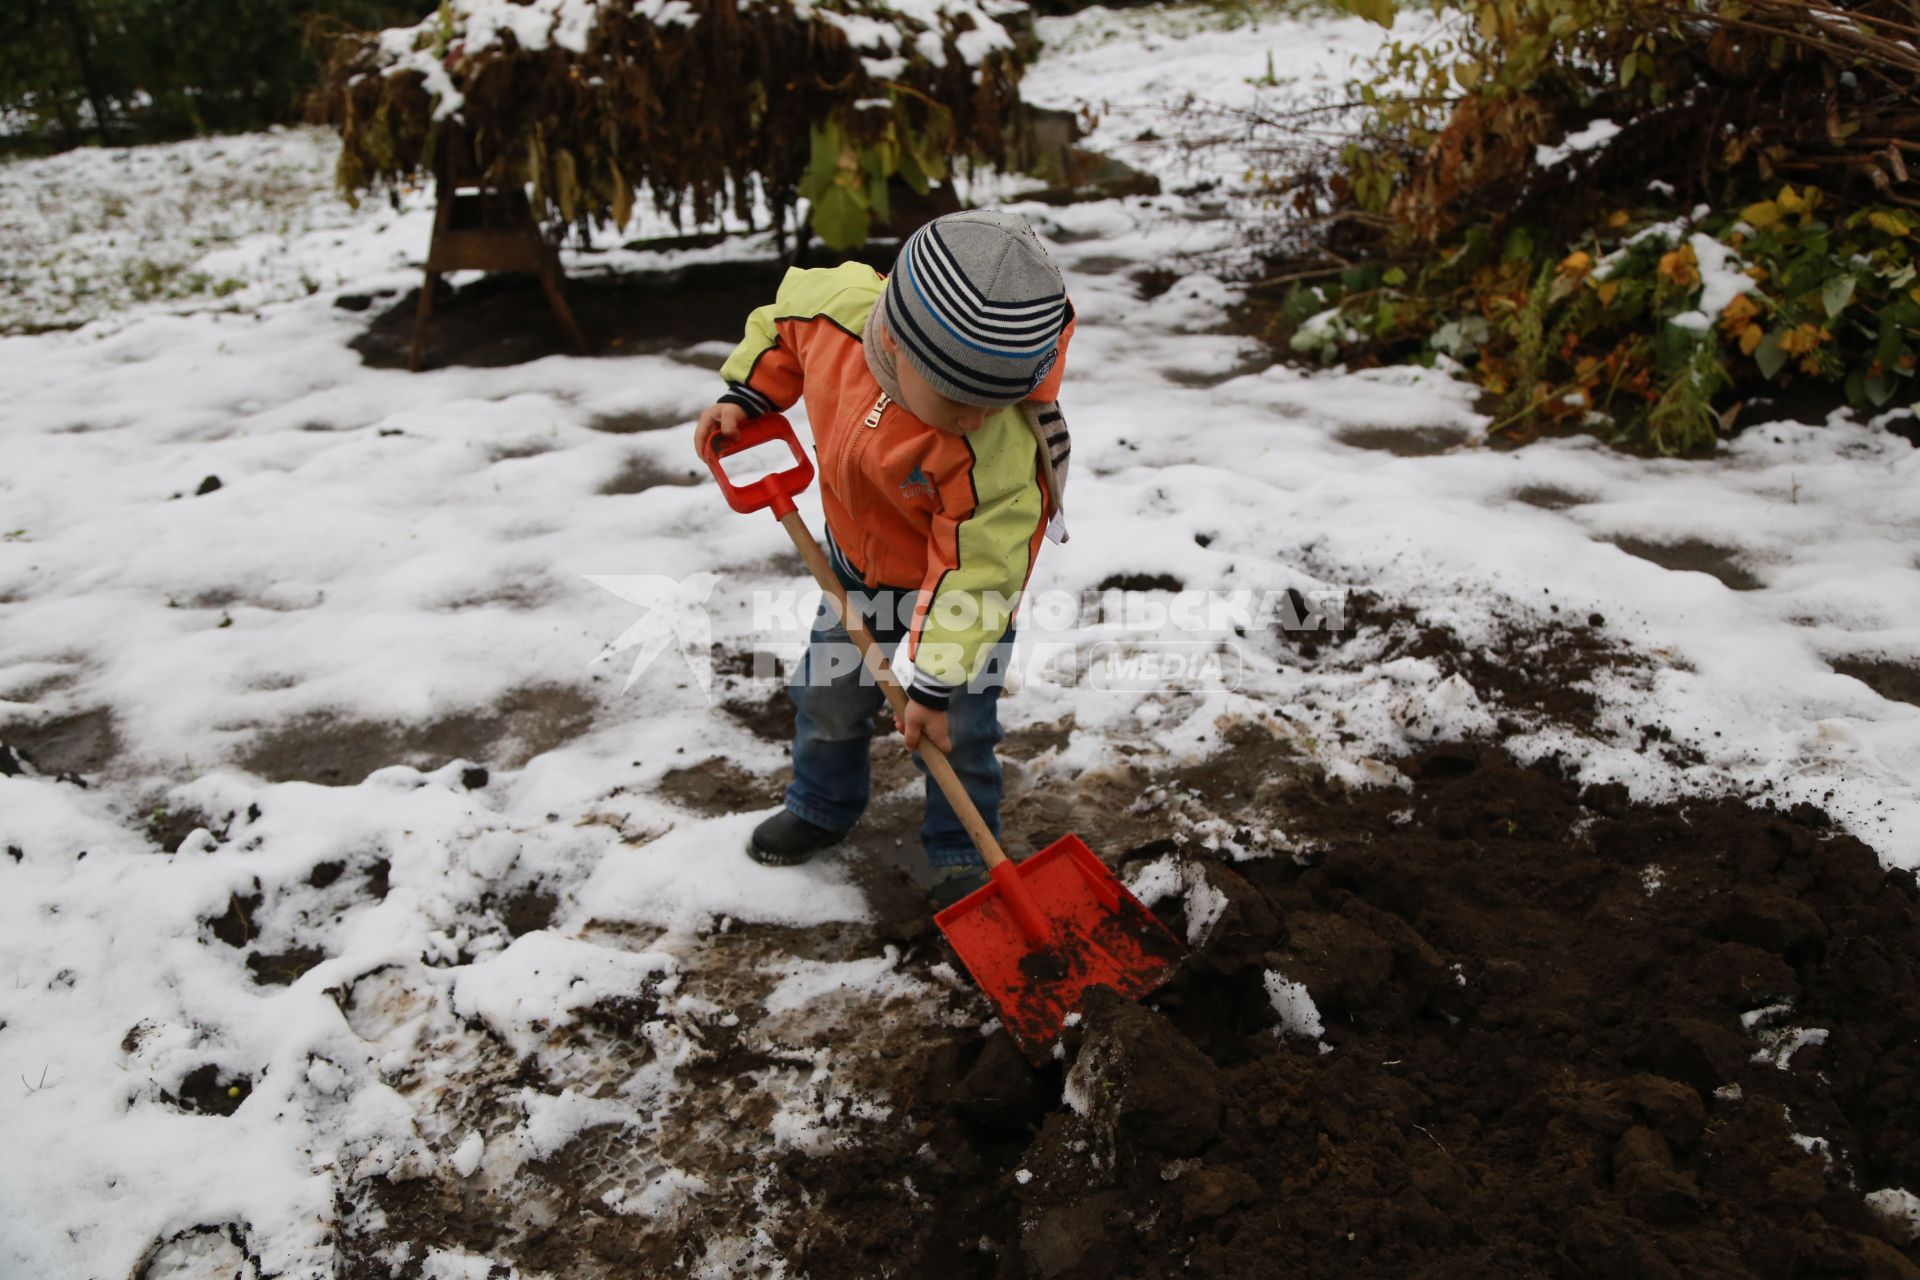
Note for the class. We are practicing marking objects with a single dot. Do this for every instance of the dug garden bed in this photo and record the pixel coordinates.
(1560, 1034)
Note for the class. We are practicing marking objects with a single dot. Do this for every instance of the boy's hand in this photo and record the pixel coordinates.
(925, 720)
(722, 420)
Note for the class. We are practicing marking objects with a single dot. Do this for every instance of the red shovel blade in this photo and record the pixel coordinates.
(1097, 935)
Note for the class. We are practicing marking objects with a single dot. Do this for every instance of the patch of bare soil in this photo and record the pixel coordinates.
(1563, 1035)
(1896, 681)
(73, 745)
(1696, 555)
(638, 474)
(766, 714)
(340, 752)
(717, 785)
(1417, 442)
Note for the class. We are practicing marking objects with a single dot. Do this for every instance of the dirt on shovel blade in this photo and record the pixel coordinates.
(1099, 936)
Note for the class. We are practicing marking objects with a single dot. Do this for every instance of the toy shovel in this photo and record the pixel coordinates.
(1041, 932)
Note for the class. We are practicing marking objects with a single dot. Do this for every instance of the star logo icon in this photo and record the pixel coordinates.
(675, 611)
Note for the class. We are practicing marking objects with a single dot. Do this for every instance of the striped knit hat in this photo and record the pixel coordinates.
(977, 306)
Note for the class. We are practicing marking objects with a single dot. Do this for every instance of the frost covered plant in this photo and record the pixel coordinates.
(702, 104)
(1657, 334)
(1496, 211)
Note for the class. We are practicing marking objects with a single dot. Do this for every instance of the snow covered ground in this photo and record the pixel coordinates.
(391, 561)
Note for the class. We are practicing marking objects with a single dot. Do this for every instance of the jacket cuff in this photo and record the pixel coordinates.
(747, 398)
(929, 692)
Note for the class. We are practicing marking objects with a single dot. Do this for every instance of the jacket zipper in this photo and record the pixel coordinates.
(856, 440)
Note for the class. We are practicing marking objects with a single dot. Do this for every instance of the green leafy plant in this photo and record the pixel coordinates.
(1494, 212)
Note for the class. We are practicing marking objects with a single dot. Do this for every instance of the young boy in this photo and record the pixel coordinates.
(942, 455)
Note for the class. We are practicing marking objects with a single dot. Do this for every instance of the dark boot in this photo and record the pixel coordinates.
(787, 840)
(951, 884)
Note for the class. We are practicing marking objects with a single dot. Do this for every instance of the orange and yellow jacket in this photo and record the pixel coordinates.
(959, 517)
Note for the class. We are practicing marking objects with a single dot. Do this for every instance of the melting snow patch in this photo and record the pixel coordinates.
(1205, 905)
(1298, 1015)
(808, 982)
(1156, 881)
(466, 1158)
(522, 991)
(1778, 1044)
(454, 1264)
(1899, 1209)
(660, 1199)
(554, 1120)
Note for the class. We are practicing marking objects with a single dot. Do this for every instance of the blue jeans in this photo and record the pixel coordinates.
(834, 701)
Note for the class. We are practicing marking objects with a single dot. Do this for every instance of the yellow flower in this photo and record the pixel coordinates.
(1790, 201)
(1618, 219)
(1804, 339)
(1810, 364)
(1576, 264)
(1735, 315)
(1681, 267)
(1607, 289)
(1750, 339)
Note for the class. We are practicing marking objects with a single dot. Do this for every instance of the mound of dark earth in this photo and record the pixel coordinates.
(1564, 1035)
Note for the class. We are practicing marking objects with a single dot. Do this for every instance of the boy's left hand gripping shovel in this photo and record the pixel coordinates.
(1041, 932)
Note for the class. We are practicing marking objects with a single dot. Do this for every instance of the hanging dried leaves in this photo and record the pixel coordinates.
(698, 102)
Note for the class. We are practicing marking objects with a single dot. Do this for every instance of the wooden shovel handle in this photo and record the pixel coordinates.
(937, 763)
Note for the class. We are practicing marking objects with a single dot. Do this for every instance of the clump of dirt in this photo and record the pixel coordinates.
(283, 968)
(1559, 1034)
(1140, 582)
(524, 909)
(767, 715)
(210, 1091)
(169, 827)
(235, 926)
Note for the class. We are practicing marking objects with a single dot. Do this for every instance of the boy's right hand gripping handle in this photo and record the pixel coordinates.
(776, 490)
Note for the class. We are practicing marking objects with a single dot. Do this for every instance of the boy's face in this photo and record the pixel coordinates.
(928, 405)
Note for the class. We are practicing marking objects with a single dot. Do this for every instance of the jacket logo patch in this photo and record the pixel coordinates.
(918, 485)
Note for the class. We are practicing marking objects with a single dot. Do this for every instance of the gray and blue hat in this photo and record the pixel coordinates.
(977, 306)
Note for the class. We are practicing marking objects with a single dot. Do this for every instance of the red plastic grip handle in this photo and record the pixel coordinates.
(776, 490)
